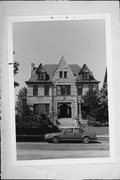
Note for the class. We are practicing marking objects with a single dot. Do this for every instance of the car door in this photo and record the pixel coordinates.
(68, 134)
(77, 133)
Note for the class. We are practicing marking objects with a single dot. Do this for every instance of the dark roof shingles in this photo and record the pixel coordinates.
(51, 68)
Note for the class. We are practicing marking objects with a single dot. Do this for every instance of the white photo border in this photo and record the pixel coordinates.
(14, 19)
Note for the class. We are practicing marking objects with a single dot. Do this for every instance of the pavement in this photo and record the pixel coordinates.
(44, 150)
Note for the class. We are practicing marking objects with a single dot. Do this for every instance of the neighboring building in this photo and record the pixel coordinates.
(105, 80)
(56, 89)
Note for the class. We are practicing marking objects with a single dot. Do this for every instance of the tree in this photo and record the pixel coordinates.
(95, 105)
(24, 116)
(103, 108)
(90, 104)
(22, 108)
(16, 64)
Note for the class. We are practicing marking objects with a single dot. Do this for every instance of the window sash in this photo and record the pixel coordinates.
(86, 76)
(46, 90)
(47, 108)
(35, 90)
(60, 74)
(41, 108)
(65, 74)
(90, 87)
(58, 90)
(68, 90)
(63, 90)
(80, 89)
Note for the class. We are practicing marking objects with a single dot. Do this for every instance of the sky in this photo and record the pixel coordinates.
(79, 41)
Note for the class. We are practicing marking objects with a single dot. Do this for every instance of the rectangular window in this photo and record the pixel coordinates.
(90, 87)
(86, 76)
(58, 90)
(65, 74)
(80, 89)
(40, 109)
(60, 74)
(68, 90)
(63, 90)
(47, 108)
(46, 90)
(35, 90)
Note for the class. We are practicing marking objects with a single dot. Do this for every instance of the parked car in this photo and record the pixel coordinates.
(72, 134)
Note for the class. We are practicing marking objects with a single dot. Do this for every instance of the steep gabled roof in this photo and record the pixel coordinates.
(50, 68)
(34, 78)
(85, 69)
(62, 61)
(75, 68)
(105, 79)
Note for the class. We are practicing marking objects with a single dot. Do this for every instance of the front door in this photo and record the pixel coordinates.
(64, 110)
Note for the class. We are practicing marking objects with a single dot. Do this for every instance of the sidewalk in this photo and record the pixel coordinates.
(102, 135)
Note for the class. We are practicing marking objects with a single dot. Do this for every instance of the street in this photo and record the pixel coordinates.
(44, 150)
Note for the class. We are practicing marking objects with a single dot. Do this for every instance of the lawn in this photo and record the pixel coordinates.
(101, 130)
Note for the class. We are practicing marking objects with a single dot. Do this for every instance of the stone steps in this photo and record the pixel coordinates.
(67, 122)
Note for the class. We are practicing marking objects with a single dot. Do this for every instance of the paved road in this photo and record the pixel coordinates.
(44, 150)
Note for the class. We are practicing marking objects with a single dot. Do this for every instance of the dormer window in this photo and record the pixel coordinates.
(42, 75)
(86, 76)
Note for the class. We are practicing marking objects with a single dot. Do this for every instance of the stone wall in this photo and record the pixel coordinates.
(53, 99)
(70, 80)
(40, 99)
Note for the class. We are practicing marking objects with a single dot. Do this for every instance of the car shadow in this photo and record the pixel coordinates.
(77, 142)
(41, 139)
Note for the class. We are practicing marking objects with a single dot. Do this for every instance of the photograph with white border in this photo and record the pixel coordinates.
(61, 95)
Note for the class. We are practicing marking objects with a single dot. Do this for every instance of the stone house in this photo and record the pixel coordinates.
(56, 89)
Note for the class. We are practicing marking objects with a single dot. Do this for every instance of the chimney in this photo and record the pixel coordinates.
(32, 69)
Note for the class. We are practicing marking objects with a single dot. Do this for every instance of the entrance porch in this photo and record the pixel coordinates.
(64, 110)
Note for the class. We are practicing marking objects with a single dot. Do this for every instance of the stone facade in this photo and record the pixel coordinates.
(54, 89)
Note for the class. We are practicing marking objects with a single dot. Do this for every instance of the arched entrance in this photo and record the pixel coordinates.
(64, 110)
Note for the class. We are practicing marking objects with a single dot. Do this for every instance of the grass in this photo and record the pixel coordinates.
(101, 130)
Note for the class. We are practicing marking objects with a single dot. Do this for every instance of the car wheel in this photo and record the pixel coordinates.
(55, 140)
(86, 140)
